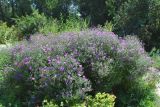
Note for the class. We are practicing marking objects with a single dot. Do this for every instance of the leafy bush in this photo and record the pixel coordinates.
(49, 104)
(147, 89)
(7, 34)
(64, 67)
(4, 58)
(30, 24)
(101, 100)
(108, 26)
(51, 26)
(155, 54)
(4, 61)
(73, 23)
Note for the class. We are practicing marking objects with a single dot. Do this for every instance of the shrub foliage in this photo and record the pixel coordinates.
(71, 65)
(7, 34)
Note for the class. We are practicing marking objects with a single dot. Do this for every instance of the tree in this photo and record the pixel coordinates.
(142, 18)
(95, 10)
(12, 8)
(99, 11)
(53, 8)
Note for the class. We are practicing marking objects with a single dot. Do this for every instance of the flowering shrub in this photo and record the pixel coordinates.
(67, 66)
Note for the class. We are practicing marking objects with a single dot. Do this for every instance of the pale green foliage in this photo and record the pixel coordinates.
(108, 26)
(49, 104)
(7, 34)
(147, 103)
(50, 27)
(74, 23)
(100, 100)
(1, 105)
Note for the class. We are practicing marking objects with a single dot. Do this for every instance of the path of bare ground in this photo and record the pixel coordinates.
(157, 72)
(4, 46)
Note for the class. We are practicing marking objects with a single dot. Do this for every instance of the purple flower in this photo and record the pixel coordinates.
(49, 60)
(32, 78)
(18, 76)
(30, 68)
(141, 50)
(65, 54)
(46, 69)
(26, 60)
(80, 68)
(58, 60)
(46, 49)
(61, 68)
(84, 78)
(122, 41)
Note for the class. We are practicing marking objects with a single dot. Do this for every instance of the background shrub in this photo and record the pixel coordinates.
(73, 23)
(4, 58)
(37, 22)
(7, 34)
(155, 54)
(50, 27)
(29, 24)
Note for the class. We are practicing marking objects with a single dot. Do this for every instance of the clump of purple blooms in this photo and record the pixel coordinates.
(72, 64)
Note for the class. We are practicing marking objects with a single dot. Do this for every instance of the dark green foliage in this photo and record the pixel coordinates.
(95, 10)
(12, 8)
(155, 54)
(99, 11)
(53, 8)
(140, 17)
(29, 24)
